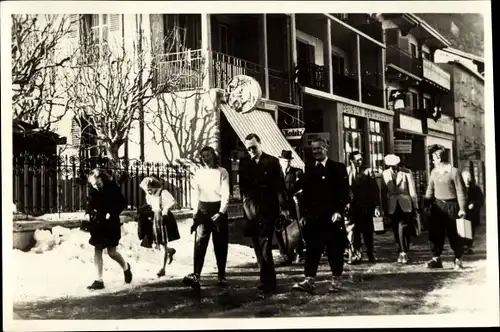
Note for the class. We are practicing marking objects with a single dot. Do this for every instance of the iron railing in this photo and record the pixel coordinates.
(50, 184)
(181, 71)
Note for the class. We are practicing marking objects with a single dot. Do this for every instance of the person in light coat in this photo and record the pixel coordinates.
(400, 203)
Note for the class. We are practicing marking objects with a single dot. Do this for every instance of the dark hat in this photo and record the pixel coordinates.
(286, 154)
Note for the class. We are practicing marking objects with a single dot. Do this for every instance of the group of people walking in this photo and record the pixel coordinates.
(333, 205)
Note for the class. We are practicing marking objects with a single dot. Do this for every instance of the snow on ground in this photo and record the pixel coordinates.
(466, 294)
(61, 264)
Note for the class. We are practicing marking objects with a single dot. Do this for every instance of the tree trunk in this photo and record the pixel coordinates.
(112, 154)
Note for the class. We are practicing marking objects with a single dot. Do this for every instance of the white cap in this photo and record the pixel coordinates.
(391, 160)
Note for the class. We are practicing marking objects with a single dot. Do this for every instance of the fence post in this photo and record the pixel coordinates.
(35, 173)
(43, 173)
(26, 184)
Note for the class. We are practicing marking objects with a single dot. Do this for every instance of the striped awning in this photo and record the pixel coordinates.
(261, 123)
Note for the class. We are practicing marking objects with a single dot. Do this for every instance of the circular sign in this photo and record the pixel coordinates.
(243, 93)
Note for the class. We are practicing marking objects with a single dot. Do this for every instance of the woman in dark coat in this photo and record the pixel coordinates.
(105, 203)
(475, 201)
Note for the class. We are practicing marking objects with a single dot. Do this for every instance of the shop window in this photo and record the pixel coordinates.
(353, 135)
(377, 146)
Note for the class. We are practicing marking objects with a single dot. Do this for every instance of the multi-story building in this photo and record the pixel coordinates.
(341, 63)
(414, 78)
(467, 101)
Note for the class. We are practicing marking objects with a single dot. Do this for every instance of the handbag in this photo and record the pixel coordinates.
(464, 228)
(378, 225)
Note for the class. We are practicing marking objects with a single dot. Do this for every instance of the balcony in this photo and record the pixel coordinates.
(365, 23)
(314, 76)
(403, 60)
(185, 71)
(435, 74)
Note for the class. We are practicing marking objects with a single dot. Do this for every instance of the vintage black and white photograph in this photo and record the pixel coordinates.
(168, 160)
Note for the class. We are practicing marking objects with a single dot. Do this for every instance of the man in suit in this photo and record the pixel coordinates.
(262, 187)
(364, 205)
(400, 203)
(325, 194)
(292, 176)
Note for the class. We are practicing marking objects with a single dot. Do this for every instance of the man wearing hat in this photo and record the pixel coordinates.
(400, 203)
(292, 176)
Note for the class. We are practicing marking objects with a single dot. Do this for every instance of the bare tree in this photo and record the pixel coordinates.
(38, 68)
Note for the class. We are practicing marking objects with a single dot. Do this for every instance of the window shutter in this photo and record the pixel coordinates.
(76, 133)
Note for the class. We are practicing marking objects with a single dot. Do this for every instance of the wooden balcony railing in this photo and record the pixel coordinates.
(436, 74)
(403, 60)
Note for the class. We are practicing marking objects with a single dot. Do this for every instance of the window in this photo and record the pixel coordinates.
(305, 52)
(426, 55)
(427, 103)
(411, 100)
(223, 40)
(413, 51)
(338, 64)
(353, 135)
(377, 145)
(95, 34)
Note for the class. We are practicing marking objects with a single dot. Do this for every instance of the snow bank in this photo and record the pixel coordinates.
(61, 263)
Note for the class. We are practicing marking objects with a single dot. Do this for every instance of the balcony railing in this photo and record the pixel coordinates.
(313, 76)
(403, 60)
(181, 71)
(372, 95)
(185, 71)
(345, 86)
(434, 73)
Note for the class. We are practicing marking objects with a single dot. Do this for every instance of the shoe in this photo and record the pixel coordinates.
(161, 273)
(371, 258)
(336, 285)
(458, 264)
(266, 289)
(435, 263)
(305, 286)
(468, 251)
(171, 254)
(192, 280)
(285, 261)
(400, 257)
(404, 258)
(299, 259)
(128, 275)
(96, 285)
(222, 282)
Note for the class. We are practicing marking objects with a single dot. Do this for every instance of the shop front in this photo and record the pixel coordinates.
(441, 132)
(410, 146)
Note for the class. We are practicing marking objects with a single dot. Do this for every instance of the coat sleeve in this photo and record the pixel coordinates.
(224, 190)
(279, 181)
(343, 187)
(429, 194)
(119, 201)
(412, 189)
(384, 194)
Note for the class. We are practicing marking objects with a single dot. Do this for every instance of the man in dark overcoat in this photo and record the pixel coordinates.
(325, 194)
(262, 188)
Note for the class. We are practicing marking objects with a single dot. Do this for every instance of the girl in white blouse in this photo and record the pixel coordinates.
(211, 190)
(161, 201)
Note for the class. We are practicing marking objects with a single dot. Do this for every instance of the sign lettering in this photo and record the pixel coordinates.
(293, 133)
(402, 146)
(366, 113)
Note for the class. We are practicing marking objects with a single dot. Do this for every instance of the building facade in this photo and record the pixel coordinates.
(467, 101)
(416, 88)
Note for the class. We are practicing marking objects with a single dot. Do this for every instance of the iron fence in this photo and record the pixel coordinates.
(50, 184)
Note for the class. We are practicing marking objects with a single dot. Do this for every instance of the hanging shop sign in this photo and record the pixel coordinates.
(293, 133)
(402, 146)
(243, 93)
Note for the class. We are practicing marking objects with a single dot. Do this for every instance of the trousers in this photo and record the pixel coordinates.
(401, 223)
(220, 238)
(443, 224)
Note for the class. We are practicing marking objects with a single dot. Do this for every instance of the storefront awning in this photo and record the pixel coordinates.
(261, 123)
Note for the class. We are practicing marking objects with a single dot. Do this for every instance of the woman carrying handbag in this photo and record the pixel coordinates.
(157, 224)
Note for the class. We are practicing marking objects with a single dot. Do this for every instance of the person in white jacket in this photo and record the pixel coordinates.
(400, 203)
(211, 192)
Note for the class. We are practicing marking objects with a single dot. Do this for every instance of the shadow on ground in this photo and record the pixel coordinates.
(383, 288)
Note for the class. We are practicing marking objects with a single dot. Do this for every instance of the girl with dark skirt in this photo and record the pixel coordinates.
(211, 190)
(447, 197)
(105, 203)
(163, 226)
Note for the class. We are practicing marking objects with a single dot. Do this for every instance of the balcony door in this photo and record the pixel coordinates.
(338, 64)
(305, 52)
